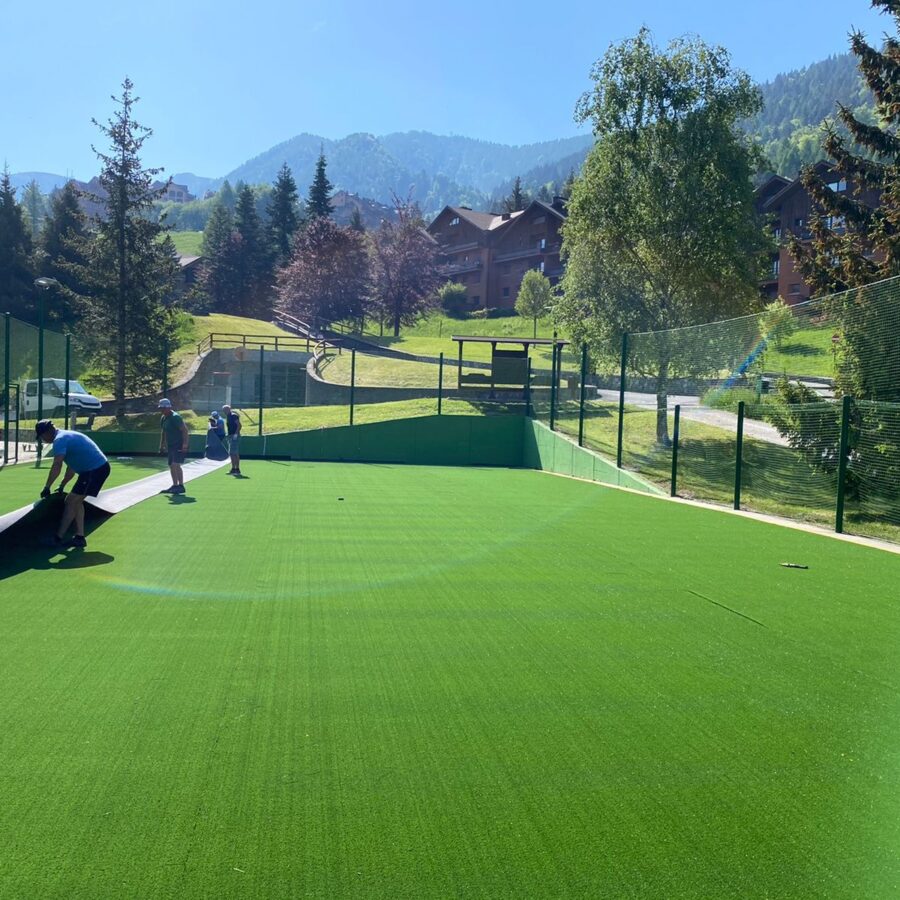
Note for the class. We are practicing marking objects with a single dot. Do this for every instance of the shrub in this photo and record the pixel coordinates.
(454, 302)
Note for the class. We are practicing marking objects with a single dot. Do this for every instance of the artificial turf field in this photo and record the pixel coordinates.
(450, 683)
(21, 484)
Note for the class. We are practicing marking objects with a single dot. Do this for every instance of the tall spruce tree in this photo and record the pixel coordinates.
(319, 203)
(854, 242)
(284, 218)
(130, 273)
(16, 275)
(34, 208)
(252, 264)
(62, 244)
(518, 198)
(217, 278)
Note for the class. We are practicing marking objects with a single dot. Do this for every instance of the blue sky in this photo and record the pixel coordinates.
(221, 81)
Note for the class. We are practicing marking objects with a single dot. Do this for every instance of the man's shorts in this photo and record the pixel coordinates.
(234, 442)
(176, 457)
(89, 483)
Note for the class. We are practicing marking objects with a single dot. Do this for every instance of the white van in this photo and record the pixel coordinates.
(81, 403)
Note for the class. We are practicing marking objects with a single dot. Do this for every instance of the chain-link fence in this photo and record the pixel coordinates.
(36, 380)
(748, 412)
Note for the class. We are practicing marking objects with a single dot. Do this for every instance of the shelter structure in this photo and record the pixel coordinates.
(510, 367)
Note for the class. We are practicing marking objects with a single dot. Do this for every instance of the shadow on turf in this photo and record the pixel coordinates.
(31, 556)
(178, 499)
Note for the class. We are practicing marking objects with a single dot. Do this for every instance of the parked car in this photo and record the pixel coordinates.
(81, 403)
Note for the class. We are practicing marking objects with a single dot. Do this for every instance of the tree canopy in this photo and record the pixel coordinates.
(662, 230)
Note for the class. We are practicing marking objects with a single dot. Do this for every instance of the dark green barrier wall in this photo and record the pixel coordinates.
(429, 440)
(508, 441)
(545, 449)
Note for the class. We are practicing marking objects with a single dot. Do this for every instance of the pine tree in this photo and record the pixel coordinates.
(227, 196)
(252, 263)
(319, 202)
(284, 219)
(16, 290)
(356, 222)
(217, 276)
(854, 242)
(518, 199)
(34, 208)
(130, 273)
(62, 241)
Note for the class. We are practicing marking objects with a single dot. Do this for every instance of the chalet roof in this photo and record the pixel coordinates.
(478, 219)
(821, 167)
(187, 261)
(536, 205)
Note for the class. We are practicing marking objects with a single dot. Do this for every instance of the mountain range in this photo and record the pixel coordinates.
(436, 170)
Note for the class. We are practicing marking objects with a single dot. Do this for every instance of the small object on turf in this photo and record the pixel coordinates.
(794, 566)
(45, 494)
(340, 498)
(79, 541)
(124, 458)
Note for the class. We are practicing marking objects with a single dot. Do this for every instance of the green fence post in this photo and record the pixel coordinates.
(165, 378)
(842, 465)
(622, 399)
(739, 456)
(18, 417)
(7, 390)
(553, 387)
(581, 402)
(68, 375)
(352, 380)
(262, 384)
(528, 410)
(459, 367)
(674, 492)
(440, 381)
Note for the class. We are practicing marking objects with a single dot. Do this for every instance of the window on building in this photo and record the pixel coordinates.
(542, 244)
(454, 221)
(506, 292)
(506, 268)
(539, 220)
(776, 233)
(794, 289)
(834, 223)
(776, 266)
(839, 185)
(540, 267)
(799, 222)
(476, 300)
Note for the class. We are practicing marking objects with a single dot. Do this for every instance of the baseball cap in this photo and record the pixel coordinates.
(164, 404)
(214, 414)
(43, 426)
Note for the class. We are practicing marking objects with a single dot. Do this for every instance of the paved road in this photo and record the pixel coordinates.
(691, 409)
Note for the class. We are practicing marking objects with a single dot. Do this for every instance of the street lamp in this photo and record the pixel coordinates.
(42, 285)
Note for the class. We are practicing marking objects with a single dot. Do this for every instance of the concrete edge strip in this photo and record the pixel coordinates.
(873, 543)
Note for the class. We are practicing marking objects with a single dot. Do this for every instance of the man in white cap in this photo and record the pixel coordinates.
(173, 439)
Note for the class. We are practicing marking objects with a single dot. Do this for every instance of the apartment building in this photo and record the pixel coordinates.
(489, 253)
(788, 206)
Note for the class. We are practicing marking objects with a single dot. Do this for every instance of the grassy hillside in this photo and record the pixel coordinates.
(187, 243)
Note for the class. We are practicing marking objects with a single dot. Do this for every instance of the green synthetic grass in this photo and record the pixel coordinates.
(451, 682)
(22, 483)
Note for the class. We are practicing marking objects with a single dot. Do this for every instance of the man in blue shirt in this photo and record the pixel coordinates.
(87, 461)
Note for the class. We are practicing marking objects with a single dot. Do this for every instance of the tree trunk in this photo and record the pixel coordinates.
(662, 404)
(397, 322)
